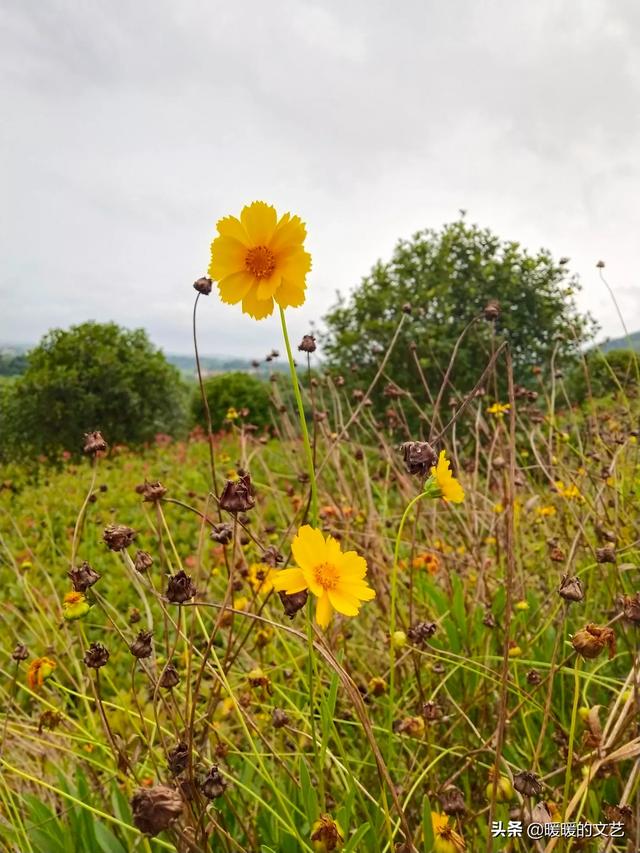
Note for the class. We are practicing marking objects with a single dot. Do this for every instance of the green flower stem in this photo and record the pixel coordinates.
(572, 734)
(313, 512)
(303, 424)
(429, 492)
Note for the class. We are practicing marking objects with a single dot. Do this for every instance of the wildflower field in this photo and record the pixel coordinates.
(354, 630)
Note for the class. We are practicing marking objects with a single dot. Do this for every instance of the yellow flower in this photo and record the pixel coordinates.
(450, 488)
(74, 606)
(445, 837)
(259, 258)
(39, 670)
(521, 605)
(546, 510)
(260, 577)
(499, 409)
(232, 414)
(337, 578)
(570, 492)
(327, 835)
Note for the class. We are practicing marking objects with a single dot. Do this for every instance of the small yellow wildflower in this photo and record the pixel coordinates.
(570, 492)
(521, 605)
(232, 414)
(259, 258)
(398, 639)
(260, 577)
(327, 835)
(39, 670)
(337, 578)
(498, 508)
(445, 838)
(498, 410)
(545, 511)
(75, 606)
(450, 488)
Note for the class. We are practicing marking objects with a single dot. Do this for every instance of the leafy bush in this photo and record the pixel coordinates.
(608, 373)
(92, 376)
(233, 391)
(448, 277)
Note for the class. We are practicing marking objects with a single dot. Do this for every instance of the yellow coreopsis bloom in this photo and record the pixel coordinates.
(445, 837)
(260, 577)
(336, 577)
(450, 488)
(74, 606)
(499, 409)
(39, 670)
(259, 258)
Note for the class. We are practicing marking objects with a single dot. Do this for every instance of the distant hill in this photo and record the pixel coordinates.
(633, 342)
(211, 364)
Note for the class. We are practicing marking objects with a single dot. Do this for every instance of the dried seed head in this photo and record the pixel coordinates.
(489, 620)
(452, 801)
(82, 577)
(214, 784)
(591, 640)
(142, 562)
(118, 537)
(600, 265)
(307, 344)
(557, 555)
(631, 607)
(237, 495)
(20, 653)
(571, 589)
(169, 677)
(432, 711)
(203, 285)
(94, 443)
(180, 588)
(151, 492)
(533, 676)
(178, 758)
(271, 556)
(222, 533)
(492, 310)
(377, 686)
(527, 784)
(294, 602)
(419, 457)
(142, 646)
(96, 656)
(279, 718)
(606, 554)
(327, 835)
(155, 809)
(419, 633)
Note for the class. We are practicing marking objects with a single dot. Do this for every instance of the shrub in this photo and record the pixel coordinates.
(91, 376)
(233, 391)
(609, 372)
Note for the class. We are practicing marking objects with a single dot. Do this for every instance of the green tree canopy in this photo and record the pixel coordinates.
(91, 376)
(448, 277)
(235, 390)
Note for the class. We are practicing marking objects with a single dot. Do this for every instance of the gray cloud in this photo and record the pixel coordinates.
(130, 128)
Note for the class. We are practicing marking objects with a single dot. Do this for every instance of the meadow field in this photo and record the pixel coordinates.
(175, 693)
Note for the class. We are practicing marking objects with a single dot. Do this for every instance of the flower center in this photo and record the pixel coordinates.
(260, 261)
(326, 575)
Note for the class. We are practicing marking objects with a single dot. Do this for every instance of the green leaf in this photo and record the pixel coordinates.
(358, 835)
(427, 825)
(106, 840)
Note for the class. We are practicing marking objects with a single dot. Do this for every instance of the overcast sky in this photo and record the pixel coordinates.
(128, 128)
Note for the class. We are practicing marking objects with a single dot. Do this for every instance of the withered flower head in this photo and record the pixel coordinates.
(214, 784)
(180, 588)
(571, 589)
(237, 495)
(50, 720)
(96, 656)
(392, 391)
(606, 554)
(203, 285)
(419, 457)
(222, 533)
(452, 801)
(155, 809)
(527, 784)
(293, 602)
(169, 677)
(557, 554)
(271, 556)
(142, 562)
(419, 633)
(142, 646)
(178, 758)
(631, 607)
(619, 814)
(492, 310)
(307, 344)
(412, 726)
(152, 492)
(20, 653)
(489, 620)
(326, 835)
(118, 537)
(591, 640)
(431, 711)
(279, 718)
(94, 443)
(82, 577)
(533, 676)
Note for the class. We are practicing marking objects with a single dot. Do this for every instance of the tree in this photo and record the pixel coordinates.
(448, 277)
(237, 391)
(91, 376)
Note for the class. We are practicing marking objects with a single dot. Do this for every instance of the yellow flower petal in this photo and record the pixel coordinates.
(290, 294)
(308, 547)
(230, 226)
(235, 287)
(290, 230)
(289, 581)
(256, 308)
(259, 220)
(227, 257)
(323, 611)
(344, 603)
